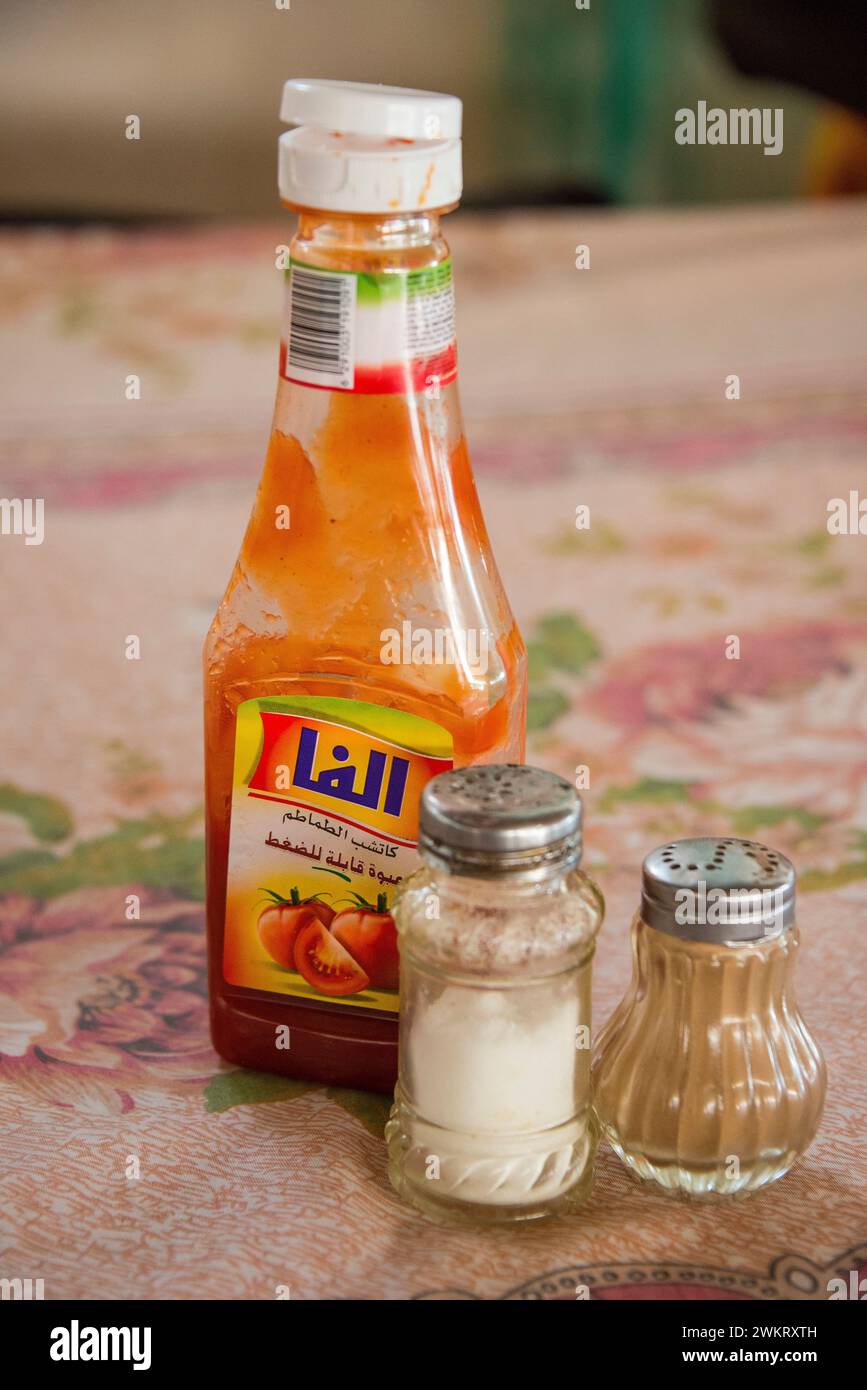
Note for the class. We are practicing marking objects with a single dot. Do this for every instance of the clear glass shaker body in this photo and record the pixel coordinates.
(492, 1120)
(706, 1078)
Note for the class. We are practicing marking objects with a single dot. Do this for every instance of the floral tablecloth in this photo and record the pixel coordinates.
(134, 1163)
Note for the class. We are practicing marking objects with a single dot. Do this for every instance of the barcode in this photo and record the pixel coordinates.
(320, 347)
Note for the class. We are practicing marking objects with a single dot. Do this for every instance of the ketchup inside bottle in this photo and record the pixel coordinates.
(365, 602)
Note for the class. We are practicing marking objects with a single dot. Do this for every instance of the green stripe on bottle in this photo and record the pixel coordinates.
(392, 284)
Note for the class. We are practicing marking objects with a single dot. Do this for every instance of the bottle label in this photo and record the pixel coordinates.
(324, 828)
(391, 333)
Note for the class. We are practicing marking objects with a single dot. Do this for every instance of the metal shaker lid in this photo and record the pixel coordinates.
(718, 890)
(500, 816)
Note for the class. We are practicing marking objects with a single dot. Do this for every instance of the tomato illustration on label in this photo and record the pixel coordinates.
(325, 965)
(369, 935)
(278, 926)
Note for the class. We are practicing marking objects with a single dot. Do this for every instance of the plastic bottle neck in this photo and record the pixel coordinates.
(384, 324)
(333, 232)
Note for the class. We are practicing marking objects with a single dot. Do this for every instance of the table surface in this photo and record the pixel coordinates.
(603, 387)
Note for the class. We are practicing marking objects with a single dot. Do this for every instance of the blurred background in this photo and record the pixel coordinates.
(560, 107)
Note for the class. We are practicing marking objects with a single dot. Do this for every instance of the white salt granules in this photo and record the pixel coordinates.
(490, 1061)
(495, 1086)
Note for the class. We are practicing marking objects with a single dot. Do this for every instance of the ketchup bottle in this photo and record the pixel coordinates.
(364, 642)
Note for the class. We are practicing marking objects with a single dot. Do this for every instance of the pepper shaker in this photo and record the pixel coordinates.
(492, 1120)
(706, 1077)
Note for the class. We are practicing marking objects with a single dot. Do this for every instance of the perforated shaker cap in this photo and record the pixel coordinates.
(362, 147)
(718, 890)
(501, 817)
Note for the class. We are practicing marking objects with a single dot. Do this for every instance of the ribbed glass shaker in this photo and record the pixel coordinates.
(706, 1077)
(492, 1120)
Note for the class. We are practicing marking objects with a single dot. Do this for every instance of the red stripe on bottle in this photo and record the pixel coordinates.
(392, 378)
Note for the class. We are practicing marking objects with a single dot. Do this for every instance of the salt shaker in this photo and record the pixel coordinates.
(706, 1078)
(492, 1120)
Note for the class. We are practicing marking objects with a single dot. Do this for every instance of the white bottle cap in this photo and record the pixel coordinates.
(360, 147)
